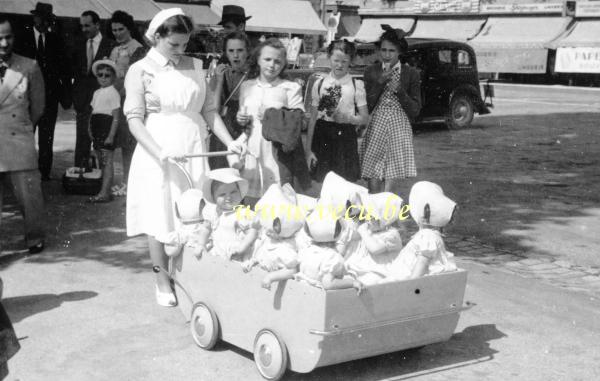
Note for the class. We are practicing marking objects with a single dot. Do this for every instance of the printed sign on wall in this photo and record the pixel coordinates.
(522, 8)
(526, 61)
(577, 60)
(446, 6)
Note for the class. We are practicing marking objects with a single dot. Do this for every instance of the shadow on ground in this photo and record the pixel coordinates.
(22, 307)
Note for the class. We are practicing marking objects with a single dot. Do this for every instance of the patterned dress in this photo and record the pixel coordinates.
(387, 148)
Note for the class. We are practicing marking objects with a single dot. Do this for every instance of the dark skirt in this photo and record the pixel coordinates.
(235, 130)
(100, 125)
(336, 147)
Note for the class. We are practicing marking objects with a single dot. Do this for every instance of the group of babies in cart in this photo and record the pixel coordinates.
(347, 238)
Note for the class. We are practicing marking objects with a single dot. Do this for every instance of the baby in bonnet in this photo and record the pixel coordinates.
(191, 233)
(380, 240)
(426, 253)
(276, 251)
(230, 235)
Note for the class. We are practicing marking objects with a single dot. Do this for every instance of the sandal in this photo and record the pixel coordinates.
(99, 199)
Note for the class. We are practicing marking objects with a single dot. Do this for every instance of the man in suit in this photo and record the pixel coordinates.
(21, 107)
(47, 48)
(94, 47)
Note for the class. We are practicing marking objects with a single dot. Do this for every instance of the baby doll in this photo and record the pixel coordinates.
(232, 235)
(320, 264)
(426, 253)
(188, 209)
(281, 218)
(380, 241)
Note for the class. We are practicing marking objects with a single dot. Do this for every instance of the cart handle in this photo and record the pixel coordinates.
(364, 327)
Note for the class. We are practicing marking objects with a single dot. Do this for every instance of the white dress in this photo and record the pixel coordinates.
(255, 94)
(177, 98)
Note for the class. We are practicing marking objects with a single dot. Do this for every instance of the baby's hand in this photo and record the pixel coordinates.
(199, 252)
(247, 265)
(266, 283)
(358, 286)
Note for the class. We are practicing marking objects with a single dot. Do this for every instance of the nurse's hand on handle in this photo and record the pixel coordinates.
(171, 154)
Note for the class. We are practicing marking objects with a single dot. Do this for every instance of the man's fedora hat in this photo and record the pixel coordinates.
(232, 12)
(43, 10)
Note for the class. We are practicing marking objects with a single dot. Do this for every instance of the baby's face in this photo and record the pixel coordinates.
(227, 196)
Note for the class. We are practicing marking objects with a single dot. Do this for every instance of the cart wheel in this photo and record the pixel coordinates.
(204, 326)
(270, 355)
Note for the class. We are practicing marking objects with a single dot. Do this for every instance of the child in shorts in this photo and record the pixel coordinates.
(106, 105)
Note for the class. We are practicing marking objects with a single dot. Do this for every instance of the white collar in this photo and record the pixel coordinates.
(97, 38)
(268, 84)
(398, 65)
(346, 78)
(161, 60)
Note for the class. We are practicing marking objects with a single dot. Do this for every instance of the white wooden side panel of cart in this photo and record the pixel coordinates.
(321, 328)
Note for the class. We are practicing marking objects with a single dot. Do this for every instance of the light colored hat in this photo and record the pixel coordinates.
(188, 207)
(306, 203)
(106, 62)
(323, 228)
(225, 176)
(429, 205)
(338, 191)
(279, 203)
(159, 19)
(384, 206)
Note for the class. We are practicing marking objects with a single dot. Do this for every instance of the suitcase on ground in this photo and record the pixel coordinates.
(78, 180)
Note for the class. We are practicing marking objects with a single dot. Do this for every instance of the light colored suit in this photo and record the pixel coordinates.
(21, 106)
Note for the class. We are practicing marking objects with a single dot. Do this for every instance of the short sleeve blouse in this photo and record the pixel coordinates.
(141, 98)
(353, 94)
(105, 100)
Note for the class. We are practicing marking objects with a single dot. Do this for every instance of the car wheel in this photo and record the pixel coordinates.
(204, 326)
(461, 112)
(270, 355)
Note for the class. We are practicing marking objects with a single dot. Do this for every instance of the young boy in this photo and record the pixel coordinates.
(106, 104)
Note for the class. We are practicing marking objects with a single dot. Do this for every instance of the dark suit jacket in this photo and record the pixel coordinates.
(54, 64)
(409, 93)
(84, 83)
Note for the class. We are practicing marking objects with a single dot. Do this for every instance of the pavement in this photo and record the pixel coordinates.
(526, 231)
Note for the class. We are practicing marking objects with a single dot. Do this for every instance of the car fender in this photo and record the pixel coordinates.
(474, 93)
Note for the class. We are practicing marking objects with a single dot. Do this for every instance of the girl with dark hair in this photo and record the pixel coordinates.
(266, 89)
(226, 83)
(129, 50)
(169, 110)
(339, 106)
(394, 98)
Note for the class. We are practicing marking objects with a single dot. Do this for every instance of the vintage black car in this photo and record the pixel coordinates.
(450, 83)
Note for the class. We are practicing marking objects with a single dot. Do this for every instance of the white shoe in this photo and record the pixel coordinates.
(165, 299)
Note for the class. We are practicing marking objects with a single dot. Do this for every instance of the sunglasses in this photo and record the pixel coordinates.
(104, 75)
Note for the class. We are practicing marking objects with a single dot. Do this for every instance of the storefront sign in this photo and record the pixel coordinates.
(446, 6)
(587, 9)
(522, 8)
(527, 61)
(577, 60)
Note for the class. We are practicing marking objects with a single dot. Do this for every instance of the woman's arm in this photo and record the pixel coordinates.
(410, 99)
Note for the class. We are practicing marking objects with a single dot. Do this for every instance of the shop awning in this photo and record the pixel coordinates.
(141, 10)
(515, 44)
(277, 16)
(584, 34)
(457, 28)
(61, 8)
(578, 50)
(370, 29)
(349, 25)
(201, 14)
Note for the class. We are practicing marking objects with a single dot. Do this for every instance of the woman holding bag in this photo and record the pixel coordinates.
(394, 98)
(225, 84)
(169, 111)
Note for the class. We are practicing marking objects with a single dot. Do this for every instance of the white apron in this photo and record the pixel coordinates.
(153, 188)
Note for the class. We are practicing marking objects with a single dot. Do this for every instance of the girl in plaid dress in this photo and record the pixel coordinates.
(394, 98)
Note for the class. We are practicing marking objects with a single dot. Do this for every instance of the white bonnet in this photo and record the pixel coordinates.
(427, 195)
(159, 19)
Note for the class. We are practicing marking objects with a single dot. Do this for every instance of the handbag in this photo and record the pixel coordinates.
(82, 181)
